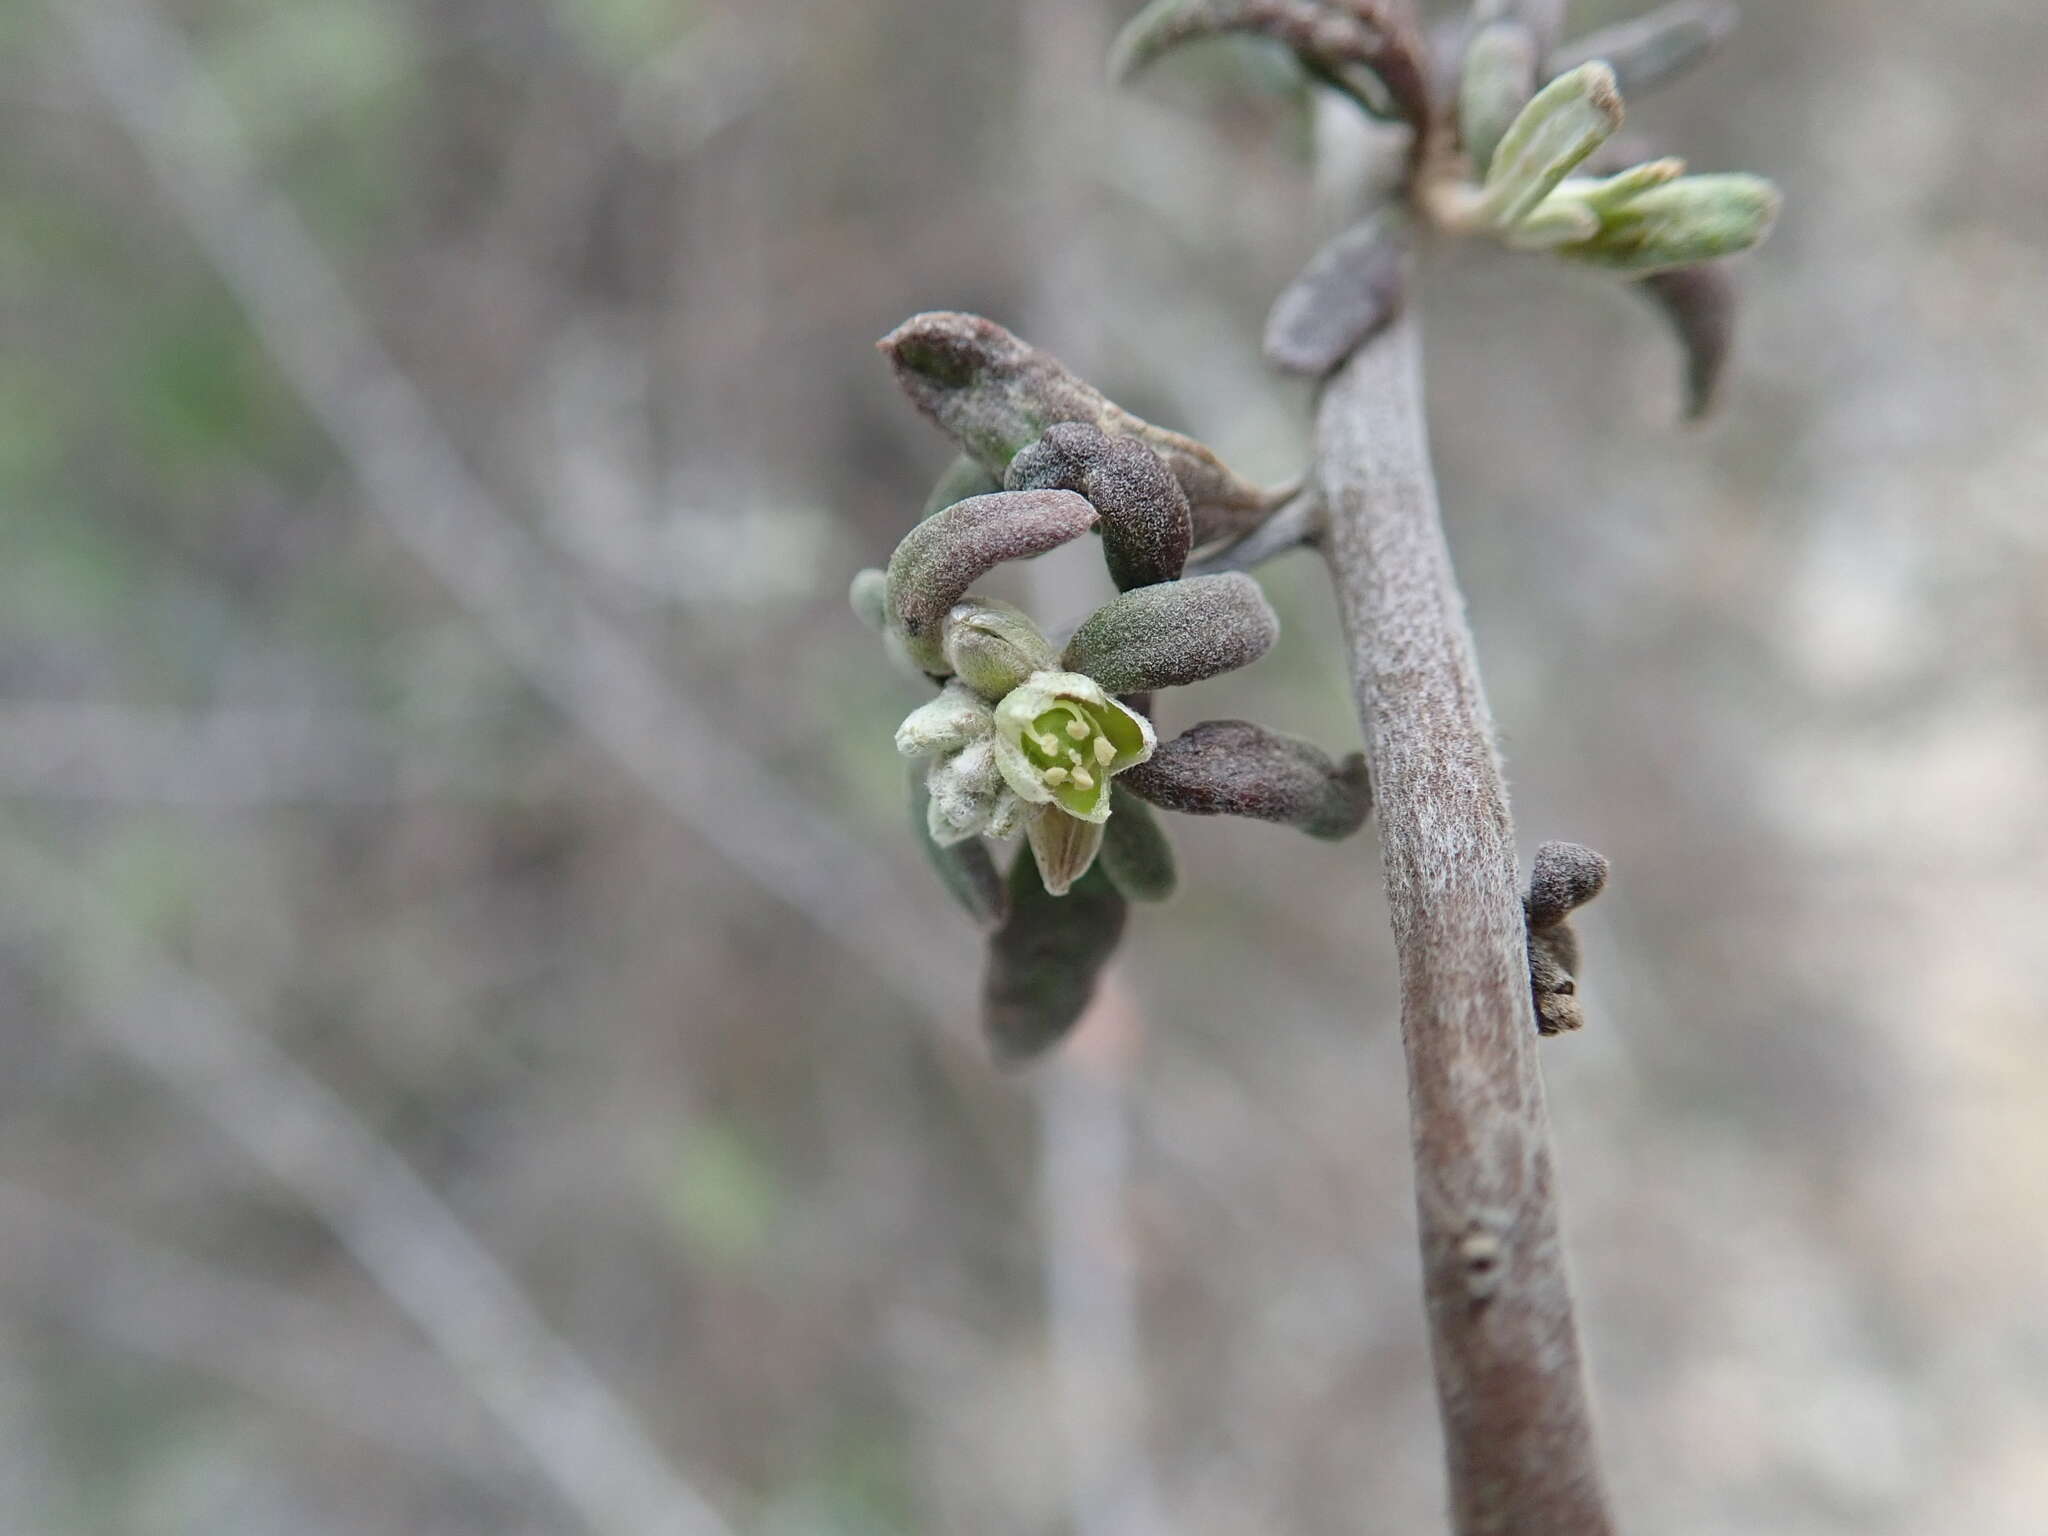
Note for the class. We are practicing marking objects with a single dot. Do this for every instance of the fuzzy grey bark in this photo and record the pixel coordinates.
(1517, 1427)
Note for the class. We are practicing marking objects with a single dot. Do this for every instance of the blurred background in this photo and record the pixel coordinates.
(481, 1052)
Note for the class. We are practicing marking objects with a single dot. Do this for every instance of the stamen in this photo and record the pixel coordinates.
(1048, 742)
(1074, 756)
(1104, 751)
(1055, 776)
(1078, 729)
(1083, 779)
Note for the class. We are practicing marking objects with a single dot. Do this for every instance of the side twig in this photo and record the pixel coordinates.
(1510, 1382)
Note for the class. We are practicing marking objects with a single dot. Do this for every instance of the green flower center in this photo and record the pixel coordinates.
(1071, 752)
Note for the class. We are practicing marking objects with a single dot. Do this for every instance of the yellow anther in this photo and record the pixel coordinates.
(1078, 729)
(1083, 779)
(1103, 751)
(1055, 776)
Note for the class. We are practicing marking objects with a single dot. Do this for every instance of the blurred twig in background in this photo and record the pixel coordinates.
(418, 483)
(1090, 1272)
(183, 1032)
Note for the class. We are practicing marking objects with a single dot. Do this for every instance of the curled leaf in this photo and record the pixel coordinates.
(966, 476)
(948, 552)
(1173, 634)
(993, 394)
(1568, 119)
(1656, 48)
(965, 868)
(1498, 78)
(1565, 877)
(1045, 959)
(1334, 39)
(1135, 852)
(1235, 768)
(1146, 526)
(1344, 296)
(1700, 304)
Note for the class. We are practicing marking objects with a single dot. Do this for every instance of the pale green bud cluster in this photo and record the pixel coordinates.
(1013, 744)
(1649, 218)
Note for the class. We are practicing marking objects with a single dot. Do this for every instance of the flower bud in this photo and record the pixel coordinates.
(1234, 768)
(964, 787)
(1690, 220)
(1579, 210)
(947, 723)
(1146, 526)
(1176, 633)
(948, 552)
(1045, 959)
(1060, 738)
(992, 646)
(1568, 119)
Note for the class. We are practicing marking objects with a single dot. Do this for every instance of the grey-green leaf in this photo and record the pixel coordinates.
(1651, 50)
(1173, 634)
(1235, 768)
(1700, 304)
(1543, 18)
(1046, 958)
(1345, 295)
(1135, 852)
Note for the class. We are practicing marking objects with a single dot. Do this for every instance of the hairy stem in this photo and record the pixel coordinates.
(1517, 1427)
